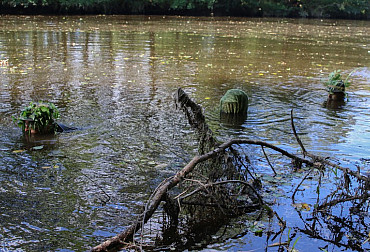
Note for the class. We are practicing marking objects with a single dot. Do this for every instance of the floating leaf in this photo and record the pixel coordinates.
(18, 151)
(302, 206)
(40, 147)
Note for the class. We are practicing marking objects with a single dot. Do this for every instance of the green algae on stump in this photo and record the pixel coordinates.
(235, 101)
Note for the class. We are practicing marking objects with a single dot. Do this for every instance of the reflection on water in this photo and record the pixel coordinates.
(114, 77)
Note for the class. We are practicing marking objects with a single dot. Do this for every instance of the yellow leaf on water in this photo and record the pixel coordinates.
(207, 98)
(18, 151)
(302, 206)
(306, 206)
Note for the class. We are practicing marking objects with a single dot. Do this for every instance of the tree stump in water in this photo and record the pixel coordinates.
(235, 101)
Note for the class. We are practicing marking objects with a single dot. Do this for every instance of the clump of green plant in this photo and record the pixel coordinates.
(38, 117)
(335, 82)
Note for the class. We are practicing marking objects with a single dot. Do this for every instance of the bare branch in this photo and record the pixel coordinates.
(296, 135)
(268, 161)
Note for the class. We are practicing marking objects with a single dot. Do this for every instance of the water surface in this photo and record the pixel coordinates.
(114, 77)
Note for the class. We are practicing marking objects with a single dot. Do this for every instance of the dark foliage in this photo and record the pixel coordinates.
(353, 9)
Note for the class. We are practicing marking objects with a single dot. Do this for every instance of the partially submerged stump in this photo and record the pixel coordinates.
(336, 96)
(235, 101)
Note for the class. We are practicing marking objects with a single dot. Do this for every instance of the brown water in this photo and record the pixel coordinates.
(114, 77)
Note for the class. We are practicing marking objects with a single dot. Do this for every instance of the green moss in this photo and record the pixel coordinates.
(235, 101)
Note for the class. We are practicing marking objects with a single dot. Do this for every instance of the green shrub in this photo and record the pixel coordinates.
(38, 116)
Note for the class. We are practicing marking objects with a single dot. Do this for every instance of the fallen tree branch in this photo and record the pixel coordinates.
(117, 241)
(207, 149)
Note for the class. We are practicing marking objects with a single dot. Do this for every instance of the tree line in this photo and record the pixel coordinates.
(351, 9)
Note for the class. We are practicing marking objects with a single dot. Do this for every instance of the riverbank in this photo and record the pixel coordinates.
(353, 9)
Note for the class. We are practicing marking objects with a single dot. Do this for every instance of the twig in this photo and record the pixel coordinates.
(244, 183)
(251, 206)
(296, 189)
(268, 161)
(203, 186)
(336, 201)
(106, 194)
(345, 170)
(242, 163)
(296, 135)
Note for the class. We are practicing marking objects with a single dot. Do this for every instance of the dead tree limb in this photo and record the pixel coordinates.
(208, 150)
(120, 239)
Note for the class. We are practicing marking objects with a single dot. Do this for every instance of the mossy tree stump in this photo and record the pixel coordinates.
(235, 101)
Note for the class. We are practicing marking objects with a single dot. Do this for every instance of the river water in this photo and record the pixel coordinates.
(114, 78)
